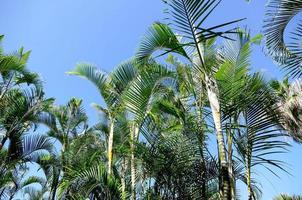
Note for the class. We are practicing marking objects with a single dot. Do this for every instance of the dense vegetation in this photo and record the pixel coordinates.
(185, 118)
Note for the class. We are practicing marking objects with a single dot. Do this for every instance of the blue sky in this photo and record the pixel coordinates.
(62, 33)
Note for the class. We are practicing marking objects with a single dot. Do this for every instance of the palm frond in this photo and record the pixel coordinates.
(33, 180)
(159, 37)
(261, 135)
(89, 181)
(190, 15)
(35, 145)
(123, 74)
(93, 74)
(288, 197)
(278, 15)
(138, 96)
(289, 105)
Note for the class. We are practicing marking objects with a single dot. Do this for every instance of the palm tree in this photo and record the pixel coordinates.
(139, 99)
(50, 165)
(14, 162)
(110, 87)
(19, 111)
(65, 123)
(71, 174)
(21, 102)
(13, 75)
(174, 158)
(152, 141)
(85, 175)
(250, 114)
(187, 18)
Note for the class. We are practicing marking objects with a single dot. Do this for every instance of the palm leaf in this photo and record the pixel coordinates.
(278, 15)
(35, 145)
(138, 96)
(96, 76)
(85, 181)
(159, 37)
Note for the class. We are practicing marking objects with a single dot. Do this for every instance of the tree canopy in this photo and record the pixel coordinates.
(186, 117)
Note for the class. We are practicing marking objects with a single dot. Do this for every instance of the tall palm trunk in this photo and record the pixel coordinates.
(249, 188)
(212, 91)
(1, 193)
(123, 177)
(110, 145)
(53, 195)
(11, 197)
(63, 150)
(248, 173)
(134, 135)
(230, 166)
(203, 176)
(3, 142)
(215, 107)
(201, 140)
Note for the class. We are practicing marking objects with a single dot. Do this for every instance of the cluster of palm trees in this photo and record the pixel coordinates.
(185, 118)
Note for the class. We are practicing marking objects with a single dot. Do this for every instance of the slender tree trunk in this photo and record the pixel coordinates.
(53, 194)
(249, 187)
(1, 193)
(12, 196)
(3, 142)
(231, 169)
(248, 174)
(212, 91)
(54, 184)
(201, 148)
(204, 177)
(134, 135)
(63, 150)
(123, 178)
(110, 145)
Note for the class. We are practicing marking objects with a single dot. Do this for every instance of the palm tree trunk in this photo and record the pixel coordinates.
(134, 135)
(248, 175)
(201, 139)
(231, 169)
(203, 177)
(55, 182)
(249, 187)
(64, 162)
(1, 193)
(110, 145)
(3, 142)
(212, 91)
(53, 194)
(123, 178)
(215, 107)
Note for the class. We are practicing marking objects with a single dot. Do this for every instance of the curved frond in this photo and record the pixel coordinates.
(93, 74)
(159, 37)
(138, 96)
(92, 180)
(278, 15)
(35, 145)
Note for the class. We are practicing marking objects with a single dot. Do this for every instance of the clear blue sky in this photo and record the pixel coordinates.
(61, 33)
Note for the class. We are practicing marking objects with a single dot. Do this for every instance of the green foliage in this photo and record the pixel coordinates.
(155, 136)
(278, 15)
(288, 197)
